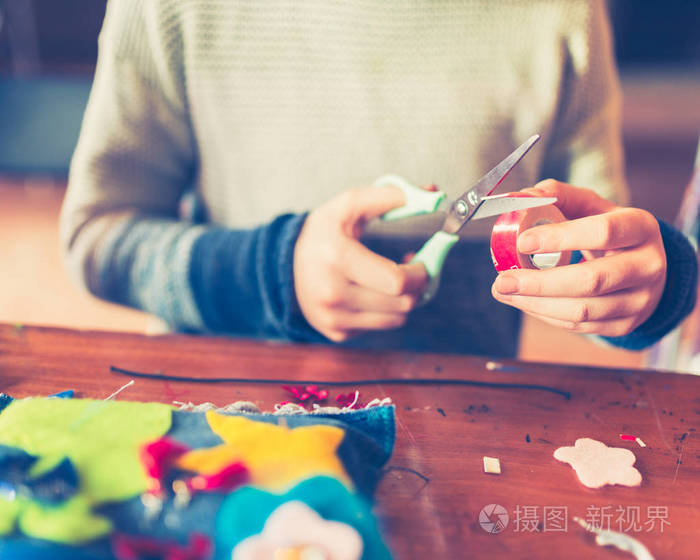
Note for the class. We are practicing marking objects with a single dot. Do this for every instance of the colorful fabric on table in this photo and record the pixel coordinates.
(328, 462)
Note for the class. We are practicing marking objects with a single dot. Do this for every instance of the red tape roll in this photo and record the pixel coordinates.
(504, 239)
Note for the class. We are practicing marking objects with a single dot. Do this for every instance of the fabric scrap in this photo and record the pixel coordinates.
(596, 464)
(492, 465)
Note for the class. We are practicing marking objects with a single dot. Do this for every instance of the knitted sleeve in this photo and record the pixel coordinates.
(678, 298)
(585, 147)
(120, 232)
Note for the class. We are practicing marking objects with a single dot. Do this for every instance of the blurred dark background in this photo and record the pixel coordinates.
(648, 33)
(48, 50)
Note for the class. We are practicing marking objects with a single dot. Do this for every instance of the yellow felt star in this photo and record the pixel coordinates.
(276, 457)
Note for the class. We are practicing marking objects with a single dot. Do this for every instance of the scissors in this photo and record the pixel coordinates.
(474, 204)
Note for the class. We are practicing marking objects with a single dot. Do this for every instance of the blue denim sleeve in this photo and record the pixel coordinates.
(678, 298)
(207, 278)
(243, 284)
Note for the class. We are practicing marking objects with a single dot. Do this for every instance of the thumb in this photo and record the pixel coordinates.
(360, 205)
(574, 202)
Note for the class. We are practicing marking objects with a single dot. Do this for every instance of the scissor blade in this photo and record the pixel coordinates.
(493, 206)
(464, 207)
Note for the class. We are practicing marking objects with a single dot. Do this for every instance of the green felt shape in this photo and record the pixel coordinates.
(102, 438)
(70, 523)
(9, 509)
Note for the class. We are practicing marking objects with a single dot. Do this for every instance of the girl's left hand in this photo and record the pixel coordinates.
(614, 290)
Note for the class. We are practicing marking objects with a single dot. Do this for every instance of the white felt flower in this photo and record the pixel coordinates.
(596, 464)
(294, 531)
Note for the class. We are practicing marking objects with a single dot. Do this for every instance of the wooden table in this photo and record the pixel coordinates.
(434, 487)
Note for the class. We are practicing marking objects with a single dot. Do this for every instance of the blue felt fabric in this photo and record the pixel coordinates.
(23, 548)
(4, 401)
(243, 514)
(67, 394)
(52, 487)
(192, 430)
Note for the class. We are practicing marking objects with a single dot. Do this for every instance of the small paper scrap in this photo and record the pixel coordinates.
(492, 465)
(596, 464)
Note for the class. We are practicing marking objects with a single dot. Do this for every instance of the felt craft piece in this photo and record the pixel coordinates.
(596, 464)
(101, 440)
(67, 394)
(294, 529)
(230, 477)
(276, 457)
(72, 522)
(56, 485)
(364, 446)
(126, 547)
(51, 487)
(369, 436)
(156, 458)
(365, 449)
(243, 514)
(23, 548)
(9, 510)
(4, 401)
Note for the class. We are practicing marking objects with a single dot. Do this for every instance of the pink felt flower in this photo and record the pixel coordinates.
(306, 394)
(596, 464)
(295, 530)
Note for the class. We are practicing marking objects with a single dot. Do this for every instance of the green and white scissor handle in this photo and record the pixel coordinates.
(474, 203)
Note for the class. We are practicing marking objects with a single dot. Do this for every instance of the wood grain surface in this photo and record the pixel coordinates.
(434, 486)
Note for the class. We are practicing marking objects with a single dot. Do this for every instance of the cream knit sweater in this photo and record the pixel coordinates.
(265, 107)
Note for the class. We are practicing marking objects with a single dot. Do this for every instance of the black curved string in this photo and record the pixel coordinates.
(350, 382)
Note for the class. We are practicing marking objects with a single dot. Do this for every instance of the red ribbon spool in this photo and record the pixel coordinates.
(504, 239)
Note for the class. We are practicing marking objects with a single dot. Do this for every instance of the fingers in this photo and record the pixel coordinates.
(617, 327)
(343, 325)
(343, 310)
(582, 310)
(343, 288)
(610, 296)
(618, 229)
(366, 268)
(357, 206)
(612, 273)
(574, 202)
(356, 298)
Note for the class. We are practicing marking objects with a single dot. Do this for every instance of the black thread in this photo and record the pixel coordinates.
(350, 382)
